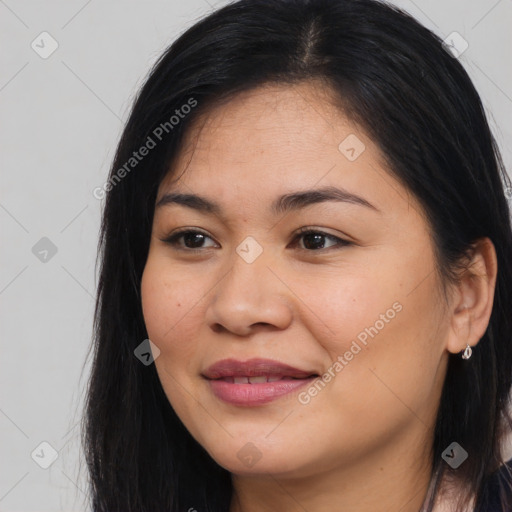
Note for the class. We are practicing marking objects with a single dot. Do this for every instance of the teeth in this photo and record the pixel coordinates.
(256, 380)
(260, 379)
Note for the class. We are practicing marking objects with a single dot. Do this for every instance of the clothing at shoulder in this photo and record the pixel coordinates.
(502, 478)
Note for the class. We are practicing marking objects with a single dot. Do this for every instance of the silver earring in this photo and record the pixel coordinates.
(467, 352)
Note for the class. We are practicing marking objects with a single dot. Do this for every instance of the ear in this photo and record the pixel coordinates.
(473, 297)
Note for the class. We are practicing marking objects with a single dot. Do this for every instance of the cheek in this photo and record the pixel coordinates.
(170, 309)
(388, 331)
(170, 305)
(344, 307)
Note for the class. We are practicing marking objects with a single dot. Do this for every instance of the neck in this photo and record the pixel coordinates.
(394, 479)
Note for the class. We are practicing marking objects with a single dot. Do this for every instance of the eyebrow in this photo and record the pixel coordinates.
(283, 204)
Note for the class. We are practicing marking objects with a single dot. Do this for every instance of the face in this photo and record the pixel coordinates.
(339, 284)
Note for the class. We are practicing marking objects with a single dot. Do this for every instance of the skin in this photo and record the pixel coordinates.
(363, 442)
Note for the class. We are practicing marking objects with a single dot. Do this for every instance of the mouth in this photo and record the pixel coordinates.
(261, 379)
(256, 367)
(254, 382)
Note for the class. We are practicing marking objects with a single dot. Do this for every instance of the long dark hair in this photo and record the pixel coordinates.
(395, 79)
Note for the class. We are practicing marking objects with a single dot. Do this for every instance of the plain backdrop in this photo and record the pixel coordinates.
(61, 117)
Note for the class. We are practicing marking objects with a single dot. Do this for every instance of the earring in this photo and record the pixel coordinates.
(467, 352)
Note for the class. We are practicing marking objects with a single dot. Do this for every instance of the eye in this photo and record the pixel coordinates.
(192, 239)
(315, 240)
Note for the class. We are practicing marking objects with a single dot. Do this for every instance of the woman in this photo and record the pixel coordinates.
(306, 216)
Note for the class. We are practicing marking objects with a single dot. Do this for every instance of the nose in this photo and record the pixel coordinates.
(249, 298)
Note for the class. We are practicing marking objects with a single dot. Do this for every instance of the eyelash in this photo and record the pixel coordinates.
(172, 239)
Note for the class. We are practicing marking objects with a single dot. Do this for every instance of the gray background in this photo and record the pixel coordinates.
(61, 119)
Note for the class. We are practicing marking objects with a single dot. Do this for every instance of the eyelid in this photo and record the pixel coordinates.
(341, 242)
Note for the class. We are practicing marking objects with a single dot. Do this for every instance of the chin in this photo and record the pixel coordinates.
(249, 459)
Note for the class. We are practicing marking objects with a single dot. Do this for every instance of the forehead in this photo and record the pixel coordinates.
(291, 121)
(272, 140)
(281, 124)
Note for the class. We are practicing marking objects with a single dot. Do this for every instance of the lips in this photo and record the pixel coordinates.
(254, 382)
(272, 370)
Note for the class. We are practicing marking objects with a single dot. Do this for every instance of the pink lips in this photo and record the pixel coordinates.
(254, 382)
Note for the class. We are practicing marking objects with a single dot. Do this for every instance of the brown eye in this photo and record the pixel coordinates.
(314, 240)
(192, 240)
